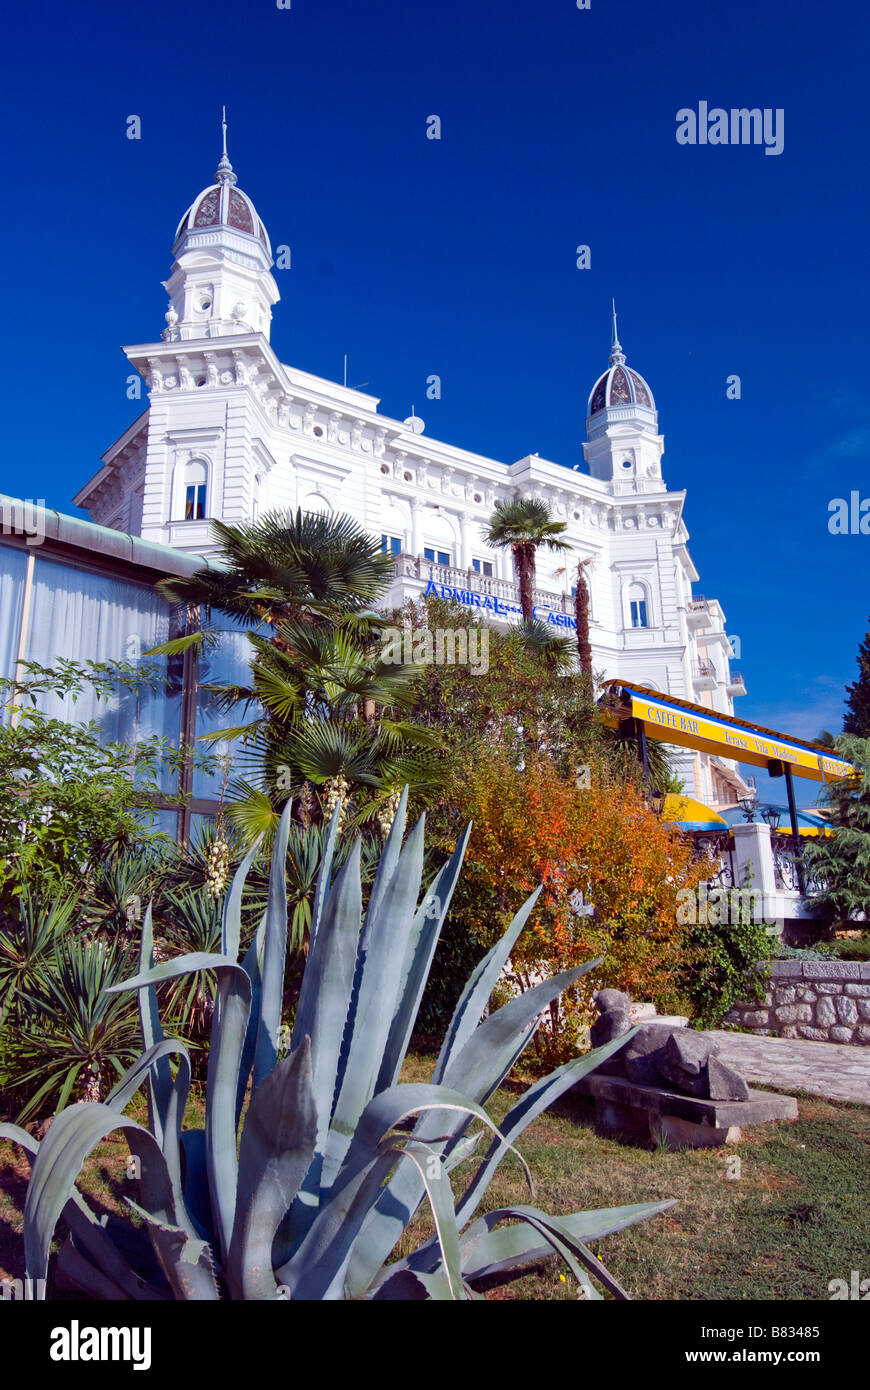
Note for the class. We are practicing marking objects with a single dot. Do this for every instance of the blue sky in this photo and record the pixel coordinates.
(456, 256)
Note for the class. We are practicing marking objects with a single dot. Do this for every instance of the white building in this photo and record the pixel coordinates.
(230, 431)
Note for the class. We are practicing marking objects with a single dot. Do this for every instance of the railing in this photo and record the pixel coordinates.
(717, 847)
(785, 867)
(409, 567)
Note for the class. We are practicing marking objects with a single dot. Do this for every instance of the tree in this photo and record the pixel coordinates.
(305, 566)
(522, 526)
(841, 862)
(611, 874)
(324, 698)
(581, 614)
(524, 702)
(857, 719)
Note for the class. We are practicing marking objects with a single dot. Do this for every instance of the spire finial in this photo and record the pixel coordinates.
(225, 169)
(617, 356)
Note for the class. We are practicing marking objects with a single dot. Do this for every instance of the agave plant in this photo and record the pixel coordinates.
(335, 1154)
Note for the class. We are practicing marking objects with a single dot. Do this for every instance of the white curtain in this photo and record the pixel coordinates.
(88, 617)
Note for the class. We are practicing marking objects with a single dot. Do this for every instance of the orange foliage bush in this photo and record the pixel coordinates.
(532, 826)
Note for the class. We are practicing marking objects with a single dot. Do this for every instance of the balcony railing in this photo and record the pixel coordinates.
(410, 567)
(704, 676)
(698, 614)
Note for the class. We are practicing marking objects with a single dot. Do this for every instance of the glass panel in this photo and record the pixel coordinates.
(227, 663)
(13, 565)
(194, 507)
(88, 617)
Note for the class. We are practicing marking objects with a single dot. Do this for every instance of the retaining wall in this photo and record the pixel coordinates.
(824, 1001)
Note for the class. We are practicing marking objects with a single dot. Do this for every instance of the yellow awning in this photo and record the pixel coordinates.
(691, 814)
(670, 720)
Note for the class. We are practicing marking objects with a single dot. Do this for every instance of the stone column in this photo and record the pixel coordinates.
(753, 852)
(415, 528)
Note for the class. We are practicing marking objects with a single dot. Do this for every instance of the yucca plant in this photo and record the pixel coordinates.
(336, 1154)
(76, 1037)
(27, 946)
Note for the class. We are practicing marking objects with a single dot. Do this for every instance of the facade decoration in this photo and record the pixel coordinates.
(278, 437)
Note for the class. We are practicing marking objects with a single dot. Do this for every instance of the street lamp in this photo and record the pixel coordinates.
(656, 801)
(748, 804)
(773, 816)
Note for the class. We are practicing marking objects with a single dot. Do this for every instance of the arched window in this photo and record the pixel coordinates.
(638, 608)
(196, 491)
(316, 503)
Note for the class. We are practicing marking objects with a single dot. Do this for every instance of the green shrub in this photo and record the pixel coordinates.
(728, 963)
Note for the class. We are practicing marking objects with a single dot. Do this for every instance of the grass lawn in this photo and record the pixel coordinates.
(797, 1217)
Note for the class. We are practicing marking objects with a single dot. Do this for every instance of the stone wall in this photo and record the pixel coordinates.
(825, 1001)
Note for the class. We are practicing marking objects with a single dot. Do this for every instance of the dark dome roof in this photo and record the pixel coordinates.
(620, 385)
(222, 204)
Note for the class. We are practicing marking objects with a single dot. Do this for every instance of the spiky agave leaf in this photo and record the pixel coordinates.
(327, 1178)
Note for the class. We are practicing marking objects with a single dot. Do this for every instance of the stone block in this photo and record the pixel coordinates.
(682, 1134)
(622, 1106)
(786, 994)
(637, 1056)
(825, 988)
(826, 1013)
(839, 1034)
(847, 1010)
(813, 1034)
(858, 991)
(805, 993)
(863, 1034)
(794, 1013)
(789, 1030)
(864, 971)
(613, 1118)
(755, 1018)
(864, 1008)
(724, 1082)
(832, 970)
(786, 970)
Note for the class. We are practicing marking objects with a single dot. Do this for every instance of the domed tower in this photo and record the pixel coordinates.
(220, 282)
(624, 445)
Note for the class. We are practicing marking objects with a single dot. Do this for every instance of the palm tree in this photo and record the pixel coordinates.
(320, 693)
(557, 651)
(523, 525)
(308, 565)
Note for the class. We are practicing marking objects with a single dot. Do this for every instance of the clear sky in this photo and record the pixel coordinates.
(457, 256)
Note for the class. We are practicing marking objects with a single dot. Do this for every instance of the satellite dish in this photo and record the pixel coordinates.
(414, 423)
